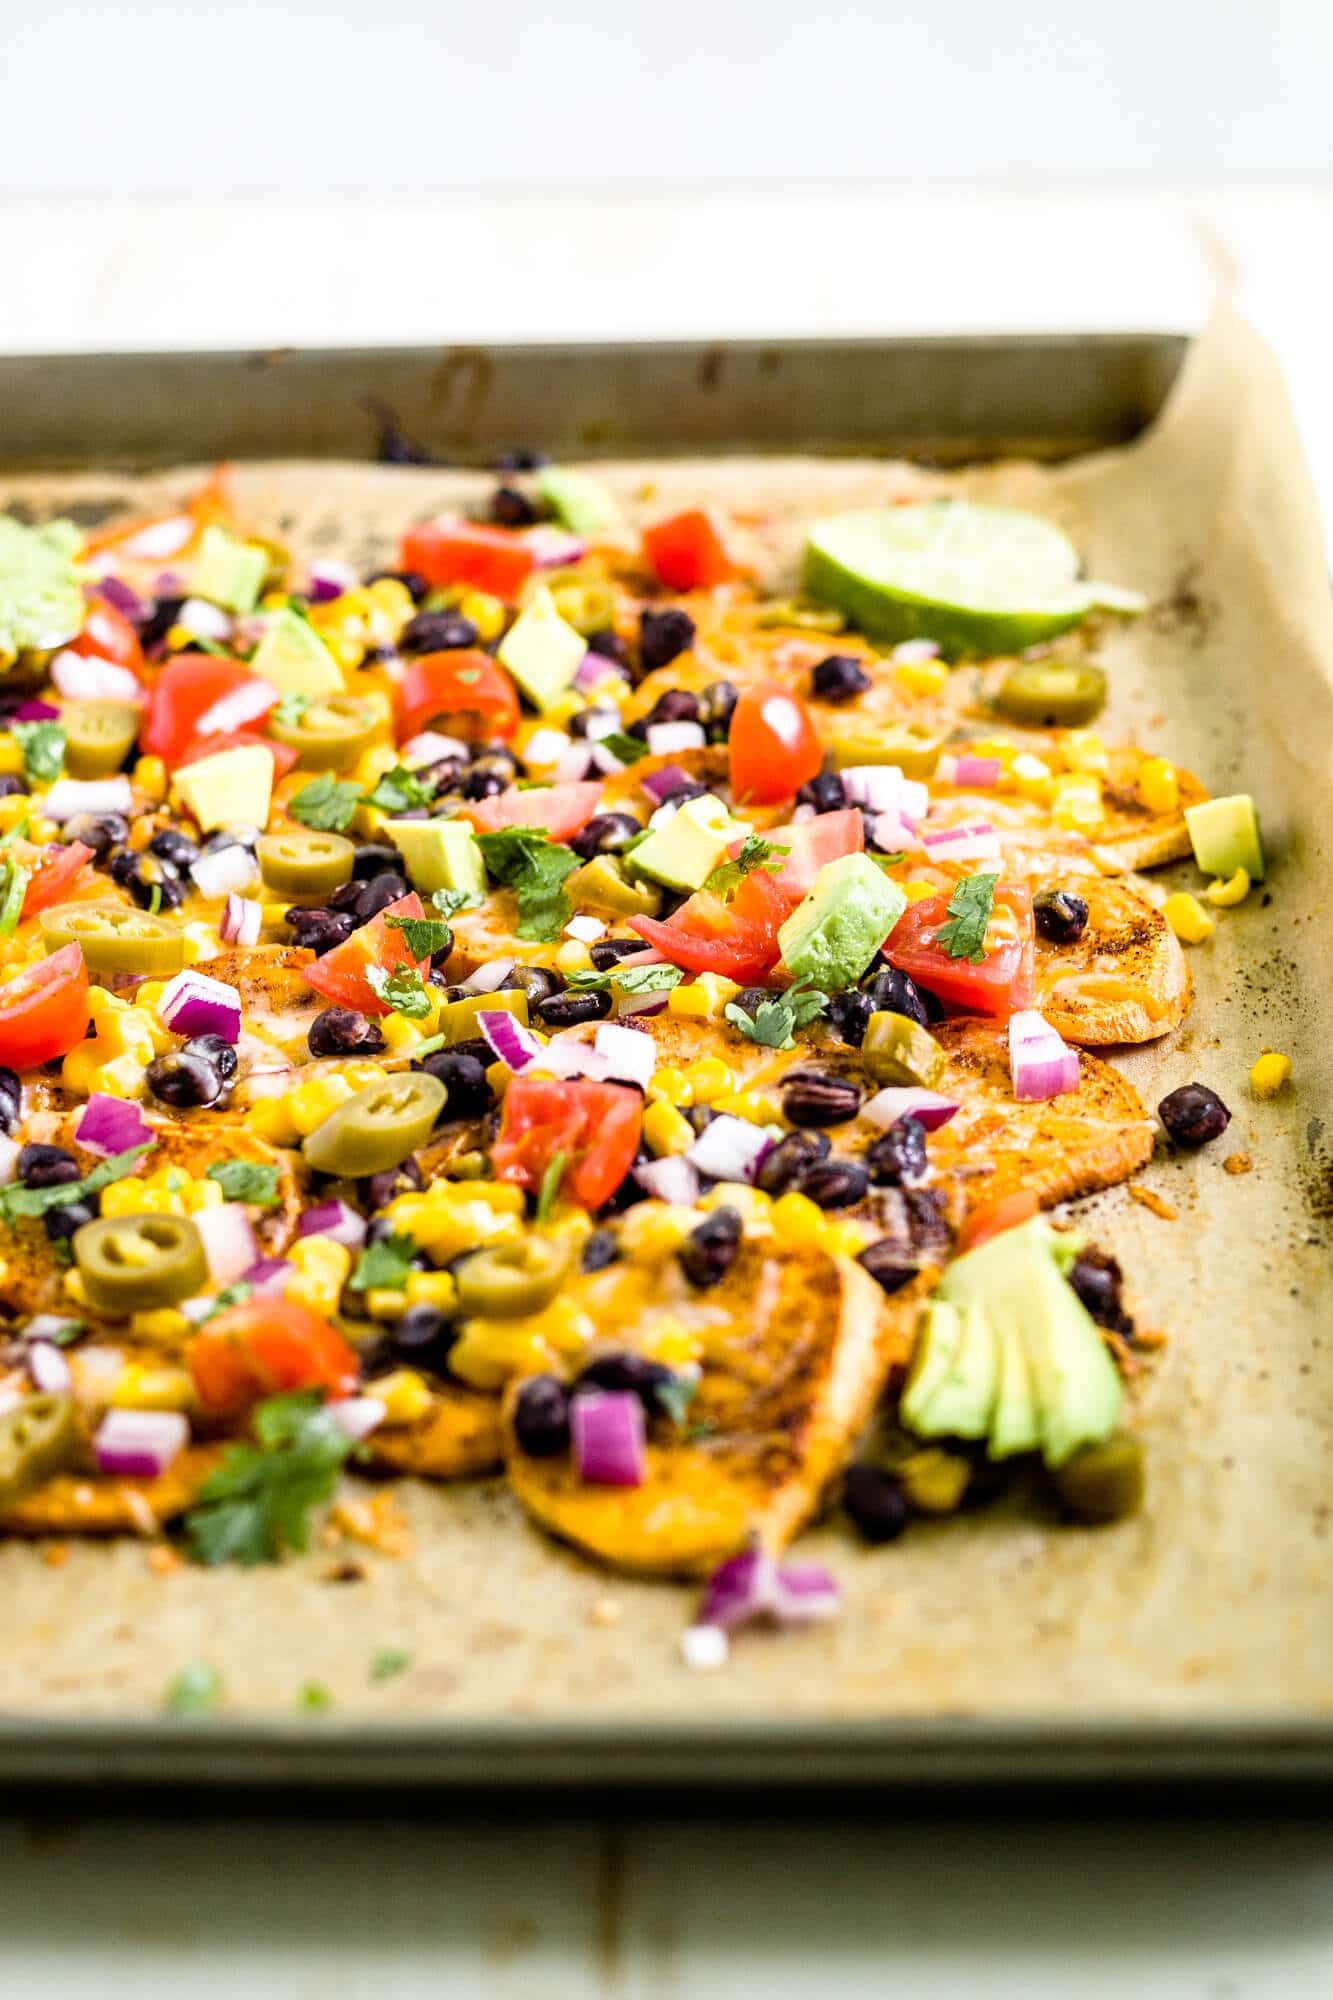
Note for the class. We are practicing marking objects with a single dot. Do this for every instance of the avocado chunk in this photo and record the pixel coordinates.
(294, 658)
(541, 651)
(1224, 834)
(601, 884)
(41, 589)
(228, 572)
(230, 788)
(685, 849)
(439, 854)
(580, 502)
(830, 938)
(1044, 1377)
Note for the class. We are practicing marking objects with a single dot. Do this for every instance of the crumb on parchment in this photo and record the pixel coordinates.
(1148, 1198)
(1238, 1163)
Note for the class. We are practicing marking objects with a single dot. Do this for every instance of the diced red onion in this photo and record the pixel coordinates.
(595, 667)
(892, 834)
(672, 1179)
(49, 1369)
(605, 760)
(203, 620)
(886, 1107)
(1041, 1063)
(168, 582)
(241, 921)
(243, 705)
(914, 650)
(110, 1125)
(489, 978)
(704, 1648)
(48, 1326)
(730, 1149)
(666, 738)
(630, 1057)
(36, 711)
(80, 678)
(194, 1004)
(514, 1045)
(337, 1220)
(357, 1416)
(967, 772)
(978, 842)
(573, 764)
(9, 1153)
(229, 1241)
(268, 1276)
(224, 872)
(883, 788)
(87, 795)
(553, 548)
(329, 580)
(586, 929)
(121, 598)
(139, 1444)
(431, 747)
(753, 1587)
(661, 784)
(608, 1433)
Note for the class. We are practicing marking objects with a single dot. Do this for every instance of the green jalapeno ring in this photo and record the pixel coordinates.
(331, 733)
(588, 607)
(114, 937)
(301, 863)
(898, 1050)
(38, 1438)
(139, 1263)
(99, 736)
(1053, 694)
(378, 1127)
(913, 747)
(509, 1280)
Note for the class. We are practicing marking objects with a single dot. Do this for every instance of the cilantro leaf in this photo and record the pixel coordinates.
(528, 861)
(43, 747)
(775, 1020)
(450, 901)
(423, 936)
(246, 1180)
(290, 709)
(230, 1295)
(674, 1397)
(314, 1696)
(550, 1187)
(259, 1500)
(15, 880)
(326, 804)
(727, 877)
(16, 1201)
(390, 1660)
(384, 1266)
(629, 978)
(629, 749)
(964, 936)
(400, 790)
(403, 989)
(155, 900)
(195, 1690)
(890, 860)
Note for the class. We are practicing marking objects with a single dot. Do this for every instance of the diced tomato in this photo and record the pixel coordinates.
(773, 744)
(595, 1125)
(108, 635)
(686, 552)
(184, 690)
(563, 810)
(283, 755)
(811, 843)
(59, 869)
(739, 938)
(994, 1216)
(1005, 980)
(266, 1347)
(468, 688)
(162, 538)
(471, 552)
(44, 1011)
(340, 975)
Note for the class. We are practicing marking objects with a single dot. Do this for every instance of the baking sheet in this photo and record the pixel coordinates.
(1216, 1605)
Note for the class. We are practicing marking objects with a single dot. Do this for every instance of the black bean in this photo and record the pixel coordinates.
(541, 1417)
(152, 883)
(567, 1010)
(688, 788)
(370, 859)
(467, 1093)
(11, 1099)
(811, 1098)
(486, 777)
(520, 458)
(849, 1015)
(874, 1503)
(580, 724)
(512, 509)
(423, 1338)
(184, 1082)
(605, 833)
(839, 678)
(537, 981)
(437, 632)
(927, 1224)
(343, 1031)
(663, 635)
(444, 775)
(1193, 1115)
(376, 1191)
(675, 705)
(824, 793)
(1098, 1278)
(1060, 915)
(416, 585)
(174, 846)
(236, 834)
(599, 1250)
(160, 621)
(750, 999)
(609, 951)
(836, 1184)
(100, 831)
(785, 1165)
(899, 1158)
(892, 992)
(377, 894)
(609, 645)
(630, 1373)
(320, 930)
(12, 787)
(709, 1251)
(213, 1049)
(62, 1223)
(889, 1264)
(46, 1166)
(717, 705)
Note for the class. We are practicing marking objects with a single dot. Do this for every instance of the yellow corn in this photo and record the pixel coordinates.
(917, 892)
(271, 1119)
(749, 1104)
(450, 1216)
(201, 940)
(1032, 778)
(140, 1387)
(754, 1207)
(13, 809)
(652, 1230)
(161, 1326)
(488, 1352)
(487, 613)
(665, 1337)
(384, 1302)
(666, 1130)
(708, 1078)
(673, 1086)
(798, 1220)
(704, 999)
(1188, 918)
(572, 956)
(1159, 788)
(391, 608)
(11, 757)
(150, 777)
(1269, 1074)
(1077, 802)
(322, 1269)
(118, 1076)
(405, 1396)
(431, 1288)
(1085, 751)
(921, 676)
(170, 1191)
(1227, 894)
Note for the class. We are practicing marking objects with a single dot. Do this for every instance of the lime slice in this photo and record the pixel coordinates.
(974, 579)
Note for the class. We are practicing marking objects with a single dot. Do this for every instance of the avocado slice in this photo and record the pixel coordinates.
(41, 588)
(228, 572)
(603, 885)
(541, 651)
(1224, 834)
(580, 502)
(230, 788)
(1015, 1423)
(685, 849)
(439, 854)
(937, 1343)
(294, 658)
(830, 938)
(962, 1404)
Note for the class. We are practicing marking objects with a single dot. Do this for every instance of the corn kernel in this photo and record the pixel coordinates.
(1077, 802)
(140, 1387)
(918, 892)
(150, 777)
(847, 1238)
(1032, 778)
(450, 1217)
(921, 676)
(1158, 786)
(798, 1220)
(1227, 894)
(405, 1395)
(653, 1230)
(751, 1105)
(1188, 918)
(11, 757)
(431, 1288)
(673, 1086)
(488, 1352)
(666, 1130)
(753, 1206)
(373, 764)
(383, 1302)
(572, 956)
(271, 1119)
(322, 1269)
(163, 1326)
(708, 1078)
(311, 1103)
(487, 613)
(1085, 751)
(13, 809)
(150, 993)
(705, 998)
(201, 941)
(1269, 1074)
(73, 1287)
(666, 1338)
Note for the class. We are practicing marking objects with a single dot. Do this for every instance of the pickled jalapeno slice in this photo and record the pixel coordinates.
(139, 1263)
(116, 938)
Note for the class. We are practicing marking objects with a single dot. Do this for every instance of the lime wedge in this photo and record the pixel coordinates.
(974, 579)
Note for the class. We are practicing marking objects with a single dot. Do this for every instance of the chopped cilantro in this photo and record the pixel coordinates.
(389, 1661)
(230, 1295)
(450, 901)
(384, 1266)
(195, 1690)
(403, 989)
(16, 1201)
(964, 936)
(64, 1333)
(290, 709)
(774, 1020)
(326, 803)
(675, 1397)
(629, 978)
(259, 1500)
(43, 747)
(246, 1180)
(423, 936)
(15, 880)
(528, 861)
(629, 749)
(400, 790)
(727, 877)
(155, 899)
(314, 1696)
(550, 1187)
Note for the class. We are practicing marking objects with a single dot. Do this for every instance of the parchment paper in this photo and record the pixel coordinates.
(1218, 1599)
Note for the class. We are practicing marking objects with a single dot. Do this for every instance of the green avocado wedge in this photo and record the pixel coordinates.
(41, 587)
(978, 580)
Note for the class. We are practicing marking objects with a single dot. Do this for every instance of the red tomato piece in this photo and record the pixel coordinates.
(108, 635)
(562, 810)
(993, 1216)
(263, 1348)
(340, 975)
(1005, 980)
(470, 552)
(595, 1125)
(466, 687)
(283, 755)
(774, 746)
(44, 1012)
(739, 938)
(810, 844)
(58, 871)
(686, 552)
(185, 690)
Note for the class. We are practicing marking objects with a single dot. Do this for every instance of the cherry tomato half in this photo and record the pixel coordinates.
(44, 1011)
(739, 938)
(774, 746)
(263, 1348)
(340, 975)
(595, 1125)
(466, 687)
(994, 1216)
(57, 873)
